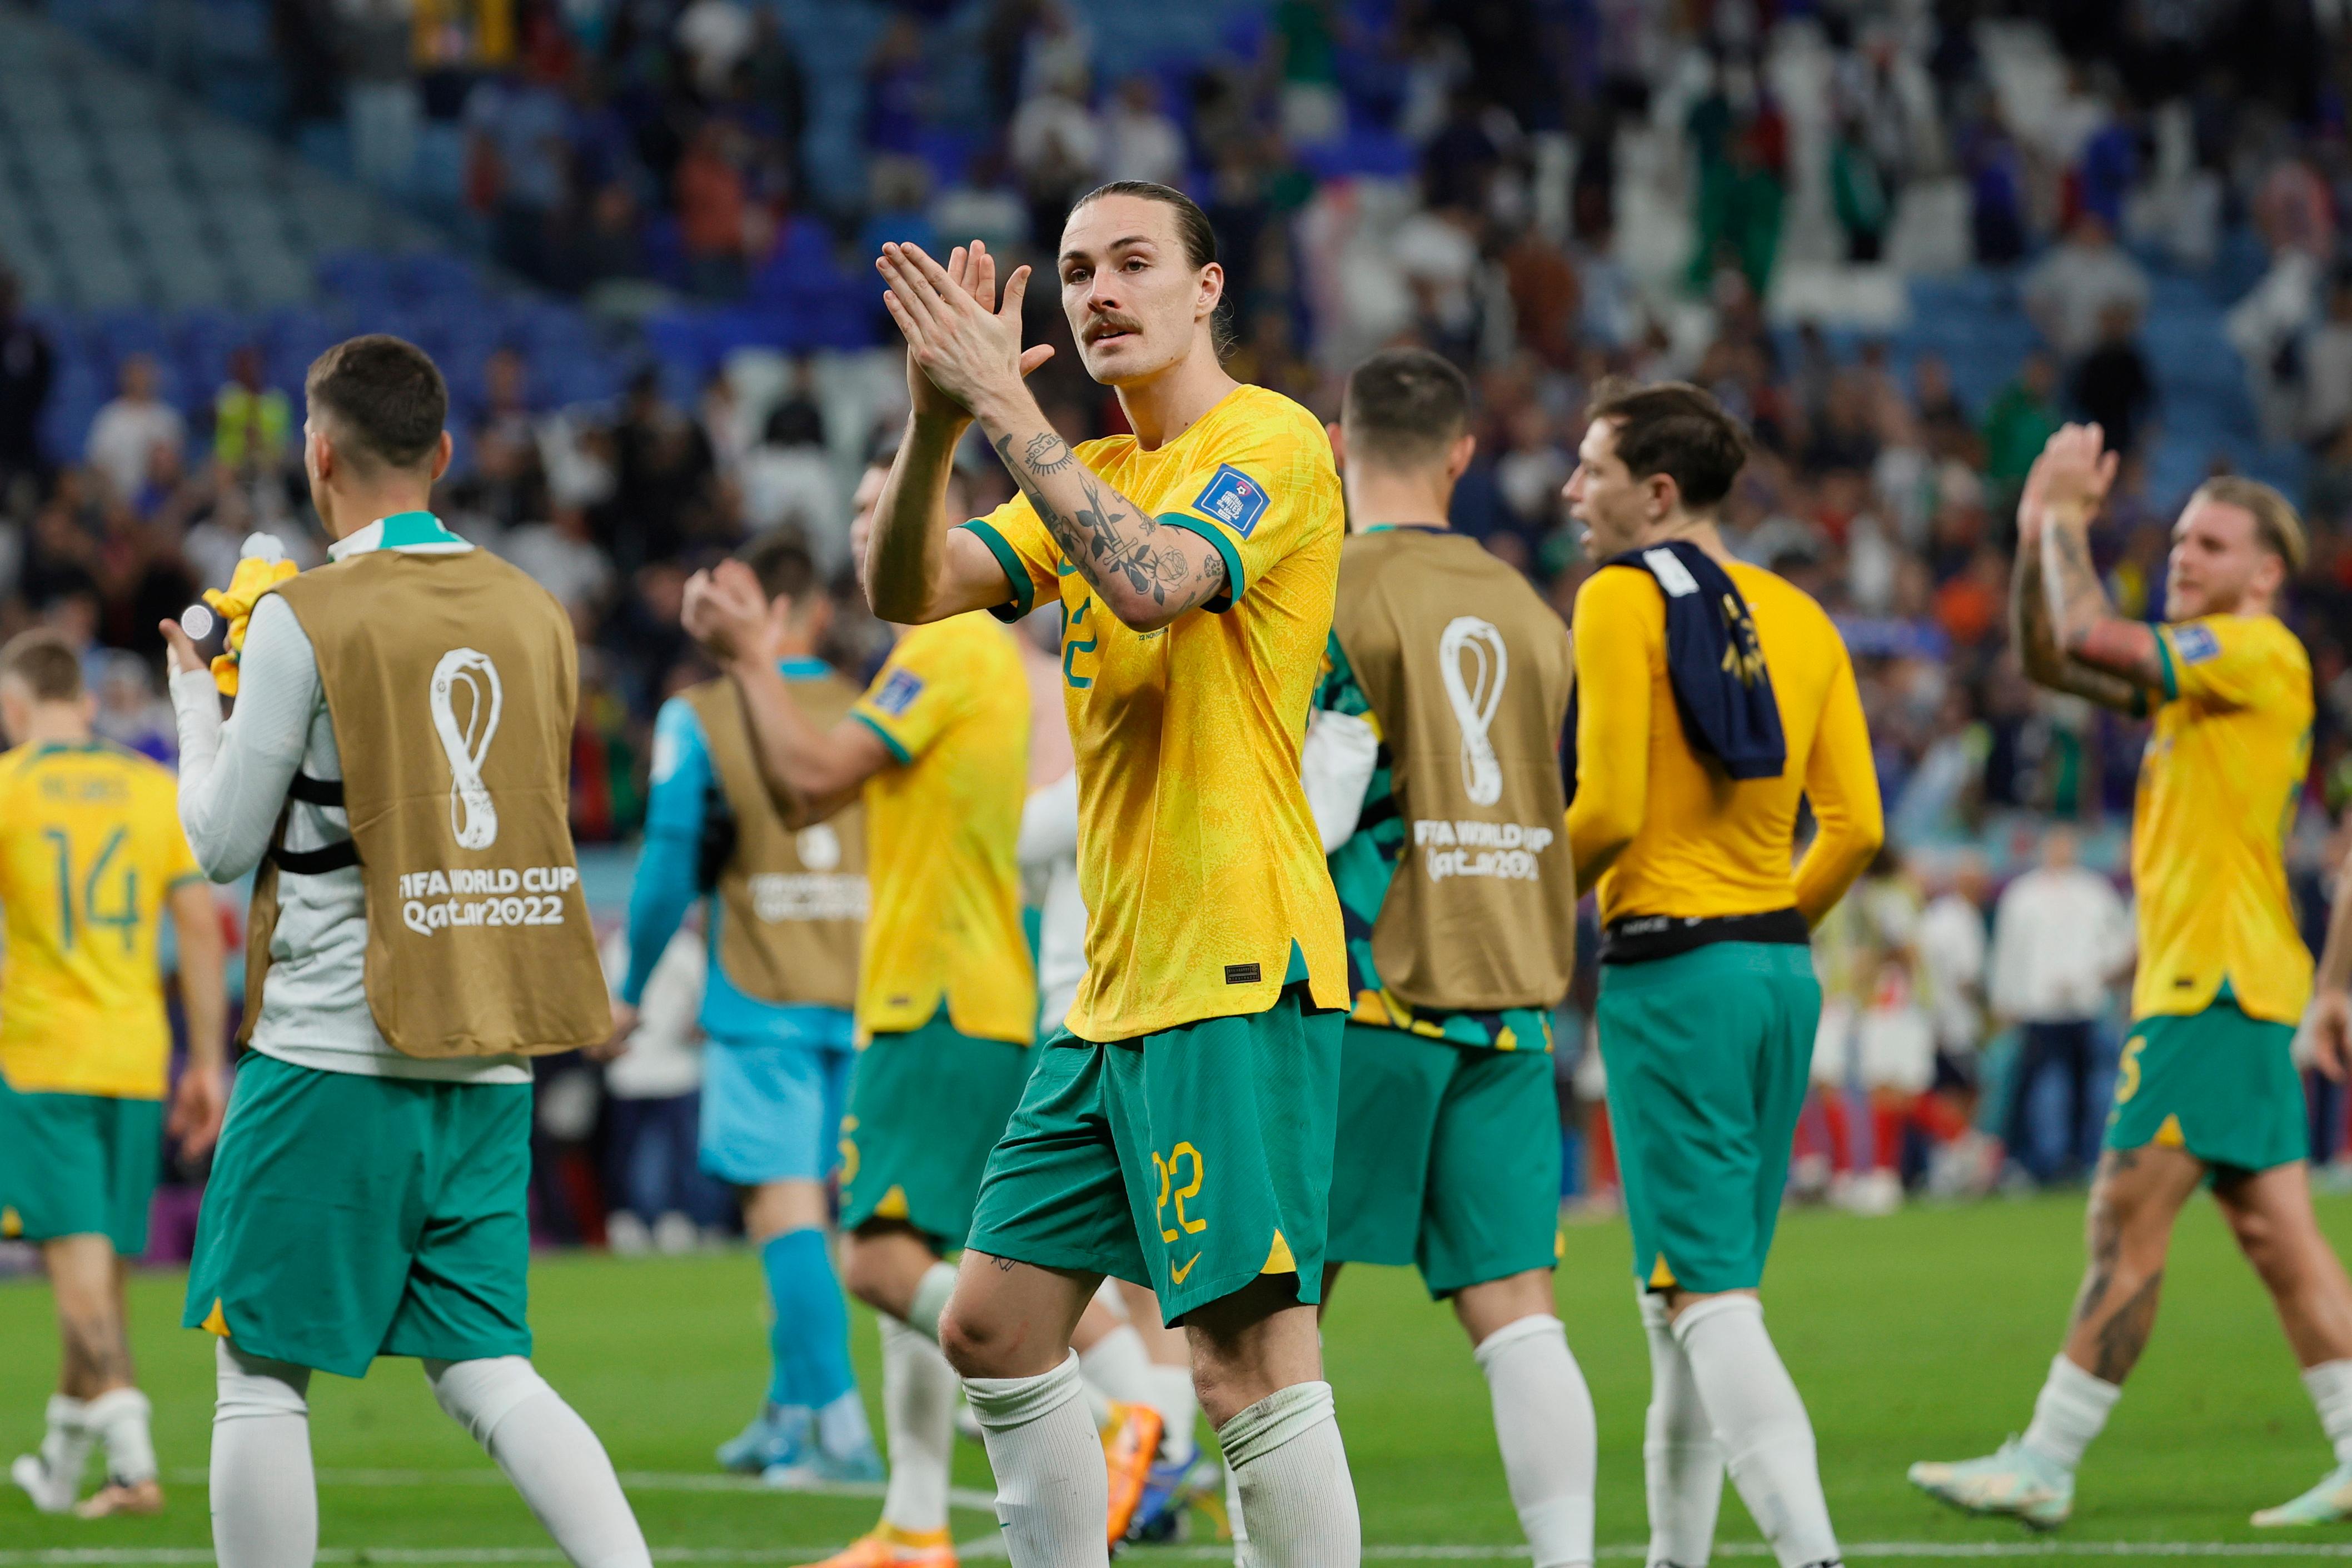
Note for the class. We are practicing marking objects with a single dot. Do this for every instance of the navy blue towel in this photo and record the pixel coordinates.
(1717, 664)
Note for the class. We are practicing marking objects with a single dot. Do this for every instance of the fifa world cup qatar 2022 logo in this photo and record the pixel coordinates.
(1475, 691)
(466, 679)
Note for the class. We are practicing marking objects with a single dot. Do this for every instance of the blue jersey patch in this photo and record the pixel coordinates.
(2195, 644)
(898, 693)
(1233, 499)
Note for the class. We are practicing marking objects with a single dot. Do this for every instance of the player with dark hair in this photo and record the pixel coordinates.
(91, 858)
(2207, 1092)
(1179, 1130)
(1433, 766)
(784, 904)
(396, 777)
(1713, 696)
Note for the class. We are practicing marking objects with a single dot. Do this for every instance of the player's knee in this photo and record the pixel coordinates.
(480, 1394)
(974, 1342)
(2267, 1244)
(251, 1386)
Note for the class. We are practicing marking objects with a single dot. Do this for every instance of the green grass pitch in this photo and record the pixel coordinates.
(1924, 1335)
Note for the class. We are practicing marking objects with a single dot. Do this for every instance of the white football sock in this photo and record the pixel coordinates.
(1543, 1422)
(1760, 1420)
(1682, 1464)
(1119, 1366)
(265, 1503)
(1053, 1496)
(930, 1299)
(2070, 1411)
(65, 1450)
(548, 1452)
(2330, 1384)
(918, 1418)
(1292, 1472)
(1244, 1557)
(842, 1427)
(118, 1416)
(1178, 1403)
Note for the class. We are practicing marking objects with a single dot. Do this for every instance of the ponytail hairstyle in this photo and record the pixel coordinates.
(1198, 236)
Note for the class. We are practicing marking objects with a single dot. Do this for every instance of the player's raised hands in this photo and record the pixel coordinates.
(2069, 481)
(726, 611)
(962, 345)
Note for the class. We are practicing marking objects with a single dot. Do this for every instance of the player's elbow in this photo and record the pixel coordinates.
(1140, 611)
(903, 603)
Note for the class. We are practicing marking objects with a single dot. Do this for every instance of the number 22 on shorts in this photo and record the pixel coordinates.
(1166, 1170)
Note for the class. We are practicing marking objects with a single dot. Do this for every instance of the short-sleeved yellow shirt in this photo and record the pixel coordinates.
(951, 704)
(1205, 885)
(2217, 792)
(90, 846)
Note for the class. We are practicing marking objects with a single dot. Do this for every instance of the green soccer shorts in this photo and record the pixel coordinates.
(1708, 1052)
(351, 1216)
(2218, 1084)
(78, 1165)
(1192, 1160)
(1448, 1158)
(925, 1108)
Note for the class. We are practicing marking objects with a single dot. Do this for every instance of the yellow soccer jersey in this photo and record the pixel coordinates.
(953, 705)
(2218, 790)
(1703, 845)
(90, 845)
(1205, 885)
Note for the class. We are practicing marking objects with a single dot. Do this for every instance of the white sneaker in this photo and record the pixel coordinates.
(627, 1235)
(2015, 1481)
(2329, 1502)
(50, 1494)
(673, 1233)
(1875, 1194)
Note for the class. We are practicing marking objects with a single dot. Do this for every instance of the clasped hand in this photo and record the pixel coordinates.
(963, 347)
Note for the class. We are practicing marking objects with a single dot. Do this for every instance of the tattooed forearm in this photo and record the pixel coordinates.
(1048, 452)
(2045, 663)
(1108, 538)
(2098, 644)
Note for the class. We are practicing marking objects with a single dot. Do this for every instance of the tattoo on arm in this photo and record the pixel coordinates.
(2046, 663)
(2084, 623)
(1110, 535)
(1048, 452)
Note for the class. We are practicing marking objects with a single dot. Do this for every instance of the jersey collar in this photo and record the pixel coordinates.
(413, 533)
(801, 667)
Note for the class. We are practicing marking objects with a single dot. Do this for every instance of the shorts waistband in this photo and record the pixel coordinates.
(1644, 938)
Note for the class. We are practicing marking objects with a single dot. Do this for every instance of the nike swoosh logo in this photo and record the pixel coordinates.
(1176, 1276)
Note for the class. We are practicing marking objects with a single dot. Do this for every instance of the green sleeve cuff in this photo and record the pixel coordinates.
(890, 742)
(180, 881)
(1236, 582)
(2164, 662)
(1024, 591)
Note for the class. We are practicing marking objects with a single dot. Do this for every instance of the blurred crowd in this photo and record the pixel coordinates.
(1492, 180)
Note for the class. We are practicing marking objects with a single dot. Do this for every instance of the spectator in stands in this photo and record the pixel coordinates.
(1057, 148)
(1140, 141)
(2019, 421)
(664, 467)
(2061, 938)
(562, 556)
(2071, 289)
(2327, 365)
(653, 1101)
(123, 438)
(709, 189)
(714, 36)
(382, 105)
(27, 364)
(253, 422)
(2114, 388)
(789, 481)
(518, 139)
